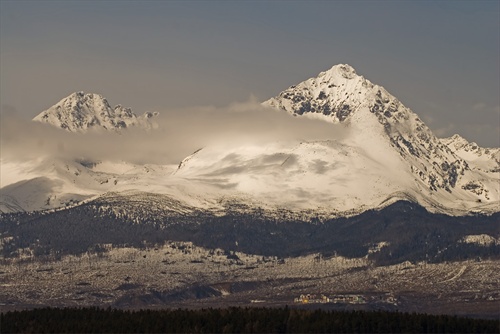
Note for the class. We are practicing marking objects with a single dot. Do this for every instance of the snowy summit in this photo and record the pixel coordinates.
(80, 112)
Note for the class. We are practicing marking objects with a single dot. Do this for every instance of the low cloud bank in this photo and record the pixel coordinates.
(178, 133)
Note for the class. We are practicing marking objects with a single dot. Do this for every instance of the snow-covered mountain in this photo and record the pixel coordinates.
(80, 112)
(385, 154)
(339, 95)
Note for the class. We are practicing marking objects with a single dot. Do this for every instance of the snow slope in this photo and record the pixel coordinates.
(55, 183)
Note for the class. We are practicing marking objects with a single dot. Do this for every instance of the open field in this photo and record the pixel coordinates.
(180, 274)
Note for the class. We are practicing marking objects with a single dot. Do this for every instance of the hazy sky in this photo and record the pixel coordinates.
(440, 58)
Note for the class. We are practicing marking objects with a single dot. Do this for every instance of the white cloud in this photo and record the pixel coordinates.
(179, 133)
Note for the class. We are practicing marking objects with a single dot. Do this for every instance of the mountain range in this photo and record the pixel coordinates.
(381, 214)
(386, 154)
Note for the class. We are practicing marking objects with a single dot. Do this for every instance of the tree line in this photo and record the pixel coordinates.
(235, 320)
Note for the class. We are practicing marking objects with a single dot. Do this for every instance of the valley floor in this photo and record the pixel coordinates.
(183, 275)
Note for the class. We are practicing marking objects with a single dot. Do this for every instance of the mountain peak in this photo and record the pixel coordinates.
(334, 94)
(339, 95)
(344, 70)
(82, 111)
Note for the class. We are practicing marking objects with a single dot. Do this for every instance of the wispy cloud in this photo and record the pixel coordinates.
(179, 133)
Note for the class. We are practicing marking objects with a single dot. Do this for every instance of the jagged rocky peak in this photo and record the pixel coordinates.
(457, 143)
(335, 93)
(81, 111)
(488, 158)
(462, 146)
(339, 95)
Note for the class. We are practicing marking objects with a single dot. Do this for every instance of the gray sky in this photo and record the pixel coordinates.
(441, 59)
